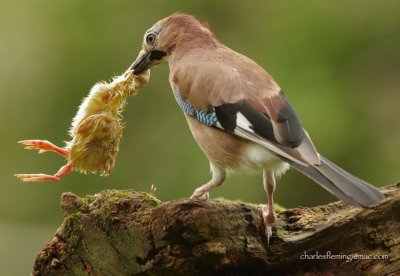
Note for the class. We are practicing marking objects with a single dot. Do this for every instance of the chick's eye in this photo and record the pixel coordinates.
(150, 38)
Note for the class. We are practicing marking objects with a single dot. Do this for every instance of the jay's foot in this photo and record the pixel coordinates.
(199, 193)
(40, 177)
(218, 177)
(269, 218)
(43, 146)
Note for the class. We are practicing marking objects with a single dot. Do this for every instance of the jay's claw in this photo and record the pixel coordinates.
(43, 146)
(218, 177)
(269, 219)
(40, 177)
(199, 193)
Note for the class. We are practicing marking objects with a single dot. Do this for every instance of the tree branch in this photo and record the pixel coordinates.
(127, 232)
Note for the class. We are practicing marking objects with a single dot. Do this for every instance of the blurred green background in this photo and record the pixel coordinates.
(337, 61)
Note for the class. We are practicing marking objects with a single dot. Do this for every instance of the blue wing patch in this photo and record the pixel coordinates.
(207, 118)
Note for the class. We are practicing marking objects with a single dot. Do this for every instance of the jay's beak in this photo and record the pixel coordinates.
(146, 59)
(142, 62)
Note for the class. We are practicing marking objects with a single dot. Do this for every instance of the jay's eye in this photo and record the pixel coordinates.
(150, 39)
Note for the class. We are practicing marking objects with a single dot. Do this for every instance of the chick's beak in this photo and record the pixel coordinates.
(142, 62)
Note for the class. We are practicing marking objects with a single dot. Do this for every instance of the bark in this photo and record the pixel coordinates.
(130, 233)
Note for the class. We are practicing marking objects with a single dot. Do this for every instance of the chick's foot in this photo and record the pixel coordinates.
(43, 146)
(40, 177)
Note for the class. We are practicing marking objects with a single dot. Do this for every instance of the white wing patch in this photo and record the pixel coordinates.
(244, 129)
(241, 121)
(261, 141)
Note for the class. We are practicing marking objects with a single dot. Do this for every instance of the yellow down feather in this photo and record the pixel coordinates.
(97, 127)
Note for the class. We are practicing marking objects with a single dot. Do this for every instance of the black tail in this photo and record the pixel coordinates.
(342, 184)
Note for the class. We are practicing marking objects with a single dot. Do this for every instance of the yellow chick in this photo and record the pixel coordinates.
(96, 129)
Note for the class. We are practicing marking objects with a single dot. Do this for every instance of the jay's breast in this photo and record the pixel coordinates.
(231, 152)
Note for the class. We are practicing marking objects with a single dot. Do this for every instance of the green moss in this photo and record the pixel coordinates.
(107, 204)
(83, 208)
(72, 229)
(230, 201)
(113, 196)
(151, 199)
(278, 207)
(88, 199)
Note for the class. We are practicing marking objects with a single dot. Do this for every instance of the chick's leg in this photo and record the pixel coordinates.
(268, 212)
(40, 177)
(43, 146)
(218, 177)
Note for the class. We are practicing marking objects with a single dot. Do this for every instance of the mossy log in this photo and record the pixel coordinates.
(131, 233)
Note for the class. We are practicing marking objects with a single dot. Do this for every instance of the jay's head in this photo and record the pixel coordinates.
(178, 32)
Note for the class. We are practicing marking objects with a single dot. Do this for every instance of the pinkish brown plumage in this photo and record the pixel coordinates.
(238, 114)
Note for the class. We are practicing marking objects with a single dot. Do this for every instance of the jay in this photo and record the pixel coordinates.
(239, 115)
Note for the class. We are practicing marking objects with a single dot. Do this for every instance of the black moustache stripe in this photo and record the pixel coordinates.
(157, 55)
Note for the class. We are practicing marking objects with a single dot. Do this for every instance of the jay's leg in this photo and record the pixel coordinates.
(40, 177)
(268, 212)
(218, 177)
(43, 146)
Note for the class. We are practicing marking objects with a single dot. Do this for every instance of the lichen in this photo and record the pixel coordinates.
(99, 252)
(108, 219)
(132, 246)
